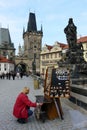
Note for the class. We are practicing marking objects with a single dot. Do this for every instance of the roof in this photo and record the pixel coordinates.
(4, 60)
(32, 23)
(82, 39)
(4, 36)
(49, 47)
(65, 46)
(62, 45)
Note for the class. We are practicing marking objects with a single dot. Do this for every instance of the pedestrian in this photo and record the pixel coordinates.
(13, 75)
(21, 74)
(21, 109)
(9, 75)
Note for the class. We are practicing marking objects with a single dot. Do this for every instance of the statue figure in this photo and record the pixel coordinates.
(74, 55)
(71, 34)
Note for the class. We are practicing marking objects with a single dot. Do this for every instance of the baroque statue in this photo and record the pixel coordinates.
(75, 51)
(71, 34)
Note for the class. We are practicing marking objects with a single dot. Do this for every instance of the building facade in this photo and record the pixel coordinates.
(50, 55)
(6, 65)
(6, 46)
(83, 40)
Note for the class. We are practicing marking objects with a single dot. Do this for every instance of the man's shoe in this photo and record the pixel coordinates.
(21, 120)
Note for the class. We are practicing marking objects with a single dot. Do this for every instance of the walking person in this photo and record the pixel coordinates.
(13, 75)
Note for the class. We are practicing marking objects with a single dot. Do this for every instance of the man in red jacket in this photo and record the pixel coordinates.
(21, 109)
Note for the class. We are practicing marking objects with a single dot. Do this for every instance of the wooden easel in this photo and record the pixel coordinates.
(57, 85)
(58, 107)
(54, 109)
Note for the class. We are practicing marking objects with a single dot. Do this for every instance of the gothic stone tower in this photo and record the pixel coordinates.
(6, 46)
(32, 42)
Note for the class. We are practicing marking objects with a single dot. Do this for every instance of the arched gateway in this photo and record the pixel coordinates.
(22, 67)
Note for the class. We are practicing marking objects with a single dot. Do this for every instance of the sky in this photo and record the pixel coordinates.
(53, 15)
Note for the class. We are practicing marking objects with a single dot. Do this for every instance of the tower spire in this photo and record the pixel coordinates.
(32, 23)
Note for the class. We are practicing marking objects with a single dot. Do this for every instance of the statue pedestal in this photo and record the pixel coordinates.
(79, 92)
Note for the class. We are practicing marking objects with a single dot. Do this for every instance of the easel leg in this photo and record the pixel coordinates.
(58, 107)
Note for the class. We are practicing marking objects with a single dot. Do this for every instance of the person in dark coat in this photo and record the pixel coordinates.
(13, 75)
(21, 109)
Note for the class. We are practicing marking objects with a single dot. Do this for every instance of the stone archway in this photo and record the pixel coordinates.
(21, 68)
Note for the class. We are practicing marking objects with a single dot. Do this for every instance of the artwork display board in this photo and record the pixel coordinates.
(57, 83)
(60, 85)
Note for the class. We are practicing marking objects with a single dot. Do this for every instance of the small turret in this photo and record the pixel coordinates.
(41, 29)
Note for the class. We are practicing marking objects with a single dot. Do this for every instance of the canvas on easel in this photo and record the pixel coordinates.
(57, 82)
(60, 83)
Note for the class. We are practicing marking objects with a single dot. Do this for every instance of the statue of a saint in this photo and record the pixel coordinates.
(71, 34)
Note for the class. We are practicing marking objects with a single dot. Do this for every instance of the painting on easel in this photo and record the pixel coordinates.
(60, 85)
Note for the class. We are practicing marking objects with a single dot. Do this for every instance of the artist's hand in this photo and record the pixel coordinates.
(39, 104)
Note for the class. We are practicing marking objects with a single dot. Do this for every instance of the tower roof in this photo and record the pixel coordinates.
(32, 23)
(5, 36)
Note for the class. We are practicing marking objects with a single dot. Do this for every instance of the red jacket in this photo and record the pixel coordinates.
(21, 105)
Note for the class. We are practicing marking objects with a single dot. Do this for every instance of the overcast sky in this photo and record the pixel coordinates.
(52, 14)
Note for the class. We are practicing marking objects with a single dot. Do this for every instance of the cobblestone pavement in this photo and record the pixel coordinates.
(74, 117)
